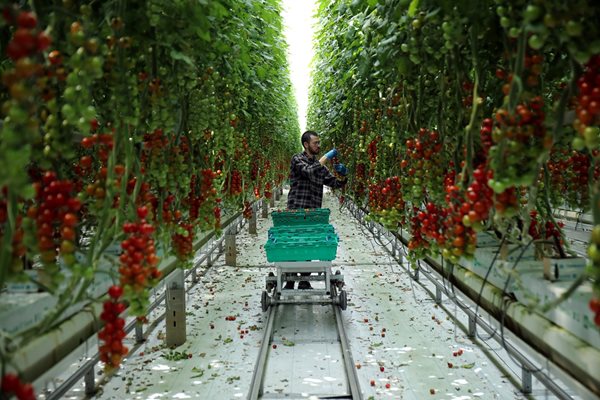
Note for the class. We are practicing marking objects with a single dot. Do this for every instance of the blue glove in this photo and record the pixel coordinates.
(340, 169)
(331, 153)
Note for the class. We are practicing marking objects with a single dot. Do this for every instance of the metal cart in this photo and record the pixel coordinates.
(333, 293)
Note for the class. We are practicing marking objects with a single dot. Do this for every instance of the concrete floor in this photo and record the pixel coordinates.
(398, 336)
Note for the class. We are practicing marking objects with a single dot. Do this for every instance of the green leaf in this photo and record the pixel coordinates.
(176, 55)
(412, 8)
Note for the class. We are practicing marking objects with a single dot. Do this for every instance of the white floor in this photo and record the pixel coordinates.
(397, 335)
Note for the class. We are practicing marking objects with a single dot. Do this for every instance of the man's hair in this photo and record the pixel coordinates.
(306, 136)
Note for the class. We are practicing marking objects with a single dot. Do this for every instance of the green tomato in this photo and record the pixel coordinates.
(590, 135)
(594, 253)
(535, 42)
(578, 143)
(532, 12)
(514, 32)
(505, 22)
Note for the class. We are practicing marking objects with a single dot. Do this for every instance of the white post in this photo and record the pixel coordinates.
(175, 314)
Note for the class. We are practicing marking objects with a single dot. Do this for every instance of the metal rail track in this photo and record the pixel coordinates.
(256, 386)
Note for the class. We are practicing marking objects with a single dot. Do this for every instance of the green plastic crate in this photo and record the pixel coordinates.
(301, 230)
(301, 217)
(322, 248)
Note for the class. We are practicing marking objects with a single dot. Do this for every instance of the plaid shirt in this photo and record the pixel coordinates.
(307, 177)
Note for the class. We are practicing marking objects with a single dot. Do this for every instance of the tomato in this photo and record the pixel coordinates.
(10, 382)
(67, 246)
(43, 41)
(70, 220)
(115, 291)
(27, 19)
(25, 392)
(142, 212)
(595, 305)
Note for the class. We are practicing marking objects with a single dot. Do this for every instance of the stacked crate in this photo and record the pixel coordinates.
(301, 235)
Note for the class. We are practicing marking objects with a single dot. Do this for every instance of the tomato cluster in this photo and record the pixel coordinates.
(570, 177)
(385, 202)
(431, 220)
(267, 192)
(112, 334)
(138, 262)
(153, 156)
(459, 237)
(485, 136)
(423, 167)
(519, 138)
(360, 178)
(12, 385)
(372, 151)
(587, 121)
(27, 40)
(418, 245)
(479, 199)
(56, 218)
(183, 241)
(247, 212)
(546, 231)
(233, 183)
(100, 145)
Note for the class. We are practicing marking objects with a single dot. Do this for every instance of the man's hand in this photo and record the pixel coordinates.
(331, 153)
(340, 169)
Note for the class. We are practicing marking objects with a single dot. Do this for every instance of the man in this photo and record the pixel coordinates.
(307, 177)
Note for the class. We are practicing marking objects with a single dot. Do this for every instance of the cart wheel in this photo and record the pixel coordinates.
(270, 285)
(343, 299)
(338, 283)
(265, 301)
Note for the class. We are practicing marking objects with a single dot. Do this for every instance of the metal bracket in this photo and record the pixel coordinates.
(472, 326)
(526, 380)
(139, 332)
(89, 381)
(252, 222)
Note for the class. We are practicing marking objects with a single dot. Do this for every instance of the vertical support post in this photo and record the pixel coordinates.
(272, 201)
(175, 313)
(472, 326)
(526, 381)
(438, 295)
(277, 194)
(265, 208)
(230, 250)
(195, 274)
(89, 381)
(252, 222)
(139, 332)
(415, 276)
